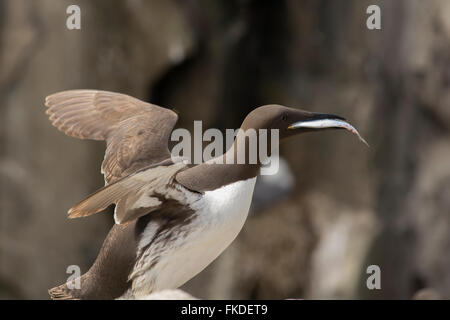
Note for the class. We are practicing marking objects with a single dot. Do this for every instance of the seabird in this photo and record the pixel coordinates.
(172, 219)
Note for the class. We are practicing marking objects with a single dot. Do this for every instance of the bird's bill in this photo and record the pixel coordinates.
(326, 121)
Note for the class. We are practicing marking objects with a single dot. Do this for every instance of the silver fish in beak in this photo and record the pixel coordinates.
(324, 121)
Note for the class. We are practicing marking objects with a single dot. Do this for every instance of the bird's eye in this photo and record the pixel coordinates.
(284, 117)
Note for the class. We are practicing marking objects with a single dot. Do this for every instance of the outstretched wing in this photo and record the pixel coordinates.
(136, 132)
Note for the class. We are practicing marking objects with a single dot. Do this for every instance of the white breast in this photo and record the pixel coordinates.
(220, 215)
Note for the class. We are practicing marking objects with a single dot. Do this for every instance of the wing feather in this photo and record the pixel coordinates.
(136, 132)
(134, 195)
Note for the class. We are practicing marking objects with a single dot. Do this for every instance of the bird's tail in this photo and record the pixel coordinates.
(61, 293)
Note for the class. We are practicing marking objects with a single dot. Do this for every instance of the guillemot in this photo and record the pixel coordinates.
(172, 219)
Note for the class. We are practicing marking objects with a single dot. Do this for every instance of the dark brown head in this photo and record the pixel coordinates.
(291, 121)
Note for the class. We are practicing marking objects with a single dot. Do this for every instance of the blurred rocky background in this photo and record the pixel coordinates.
(344, 207)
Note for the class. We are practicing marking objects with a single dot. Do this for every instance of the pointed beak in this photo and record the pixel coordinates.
(326, 121)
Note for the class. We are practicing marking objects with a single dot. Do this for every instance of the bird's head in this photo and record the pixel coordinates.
(291, 121)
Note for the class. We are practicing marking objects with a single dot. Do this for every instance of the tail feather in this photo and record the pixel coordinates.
(61, 293)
